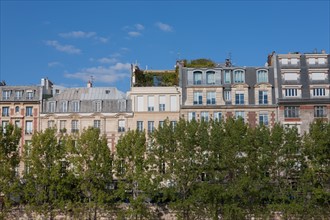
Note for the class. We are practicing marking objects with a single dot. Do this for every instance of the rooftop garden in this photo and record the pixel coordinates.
(199, 63)
(156, 78)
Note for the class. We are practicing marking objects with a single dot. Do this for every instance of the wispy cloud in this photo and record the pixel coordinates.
(107, 60)
(70, 49)
(54, 64)
(139, 27)
(134, 34)
(77, 34)
(109, 74)
(164, 27)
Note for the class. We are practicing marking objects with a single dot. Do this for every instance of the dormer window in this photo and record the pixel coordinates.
(210, 77)
(262, 76)
(239, 76)
(197, 78)
(107, 91)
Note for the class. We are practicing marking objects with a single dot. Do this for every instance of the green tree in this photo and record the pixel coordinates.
(9, 161)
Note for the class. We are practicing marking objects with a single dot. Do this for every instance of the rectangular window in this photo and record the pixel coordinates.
(173, 124)
(28, 111)
(205, 116)
(174, 103)
(197, 78)
(210, 77)
(263, 119)
(140, 103)
(18, 94)
(217, 116)
(74, 126)
(319, 92)
(262, 76)
(4, 125)
(239, 98)
(75, 106)
(5, 111)
(321, 60)
(239, 76)
(6, 94)
(139, 125)
(284, 61)
(97, 106)
(227, 77)
(291, 92)
(64, 106)
(18, 123)
(63, 126)
(51, 124)
(198, 98)
(29, 95)
(291, 112)
(28, 127)
(191, 116)
(151, 126)
(121, 125)
(97, 124)
(320, 111)
(294, 61)
(239, 114)
(161, 124)
(263, 97)
(210, 98)
(227, 95)
(51, 107)
(162, 103)
(151, 103)
(311, 60)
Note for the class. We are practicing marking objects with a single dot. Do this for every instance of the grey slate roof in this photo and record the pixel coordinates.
(99, 93)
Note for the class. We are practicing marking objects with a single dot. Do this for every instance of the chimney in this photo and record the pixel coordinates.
(89, 84)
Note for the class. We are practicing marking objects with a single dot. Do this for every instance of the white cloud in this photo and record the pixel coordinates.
(139, 27)
(107, 60)
(54, 64)
(77, 34)
(164, 27)
(134, 33)
(102, 39)
(70, 49)
(108, 74)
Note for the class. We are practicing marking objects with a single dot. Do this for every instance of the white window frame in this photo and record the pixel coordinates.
(319, 92)
(211, 98)
(263, 97)
(210, 77)
(262, 76)
(197, 77)
(191, 116)
(239, 76)
(198, 98)
(291, 92)
(151, 103)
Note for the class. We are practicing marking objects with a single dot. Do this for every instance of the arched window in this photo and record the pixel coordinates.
(197, 78)
(210, 77)
(262, 76)
(239, 76)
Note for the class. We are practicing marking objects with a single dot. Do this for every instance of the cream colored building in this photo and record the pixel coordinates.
(76, 109)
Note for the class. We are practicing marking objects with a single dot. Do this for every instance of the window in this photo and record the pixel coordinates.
(217, 116)
(75, 106)
(294, 61)
(284, 61)
(122, 105)
(205, 116)
(321, 60)
(174, 103)
(28, 111)
(5, 111)
(239, 98)
(291, 112)
(18, 123)
(210, 98)
(173, 124)
(18, 94)
(162, 103)
(151, 126)
(51, 124)
(161, 124)
(97, 106)
(140, 103)
(239, 76)
(97, 124)
(320, 111)
(198, 98)
(263, 97)
(17, 109)
(319, 92)
(28, 127)
(239, 114)
(6, 94)
(139, 125)
(191, 116)
(227, 77)
(311, 60)
(51, 107)
(227, 94)
(210, 77)
(263, 119)
(4, 125)
(291, 92)
(64, 106)
(262, 76)
(121, 125)
(74, 126)
(63, 126)
(197, 78)
(29, 95)
(151, 103)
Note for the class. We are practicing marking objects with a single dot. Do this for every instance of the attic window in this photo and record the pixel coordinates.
(107, 91)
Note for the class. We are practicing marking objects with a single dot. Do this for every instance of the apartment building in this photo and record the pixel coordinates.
(75, 109)
(302, 88)
(228, 91)
(155, 100)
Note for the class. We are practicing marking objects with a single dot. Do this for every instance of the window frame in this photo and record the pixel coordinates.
(196, 80)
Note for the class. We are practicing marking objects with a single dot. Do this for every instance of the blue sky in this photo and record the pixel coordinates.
(70, 41)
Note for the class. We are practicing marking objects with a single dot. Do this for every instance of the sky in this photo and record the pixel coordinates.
(71, 42)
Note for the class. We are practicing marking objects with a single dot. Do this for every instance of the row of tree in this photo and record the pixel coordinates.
(195, 169)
